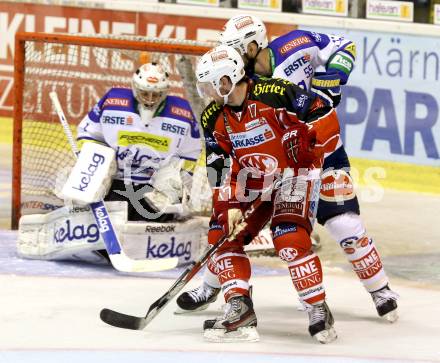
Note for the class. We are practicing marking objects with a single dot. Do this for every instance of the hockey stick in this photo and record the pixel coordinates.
(117, 256)
(125, 321)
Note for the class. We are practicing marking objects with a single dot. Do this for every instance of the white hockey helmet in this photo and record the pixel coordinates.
(214, 65)
(150, 84)
(243, 29)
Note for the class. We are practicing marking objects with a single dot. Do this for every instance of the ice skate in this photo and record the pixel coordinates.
(385, 300)
(238, 324)
(321, 322)
(197, 299)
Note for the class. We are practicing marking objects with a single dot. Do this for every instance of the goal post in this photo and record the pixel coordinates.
(81, 69)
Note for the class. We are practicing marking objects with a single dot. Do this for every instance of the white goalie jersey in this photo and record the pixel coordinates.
(143, 143)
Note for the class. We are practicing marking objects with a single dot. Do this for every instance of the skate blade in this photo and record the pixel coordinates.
(326, 336)
(245, 334)
(391, 317)
(180, 311)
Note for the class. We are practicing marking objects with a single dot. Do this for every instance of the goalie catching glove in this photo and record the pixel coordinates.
(169, 194)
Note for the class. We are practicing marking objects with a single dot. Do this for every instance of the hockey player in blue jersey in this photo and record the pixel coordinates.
(320, 63)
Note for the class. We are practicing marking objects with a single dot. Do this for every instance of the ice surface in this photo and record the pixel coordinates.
(50, 313)
(49, 310)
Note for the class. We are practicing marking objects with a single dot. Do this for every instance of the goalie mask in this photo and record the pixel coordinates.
(150, 85)
(213, 66)
(241, 30)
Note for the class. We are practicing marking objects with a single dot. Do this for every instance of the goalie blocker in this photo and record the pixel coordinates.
(92, 174)
(71, 233)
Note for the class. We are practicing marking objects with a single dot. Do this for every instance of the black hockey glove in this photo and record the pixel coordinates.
(328, 87)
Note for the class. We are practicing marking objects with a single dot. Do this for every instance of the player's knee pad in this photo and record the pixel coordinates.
(360, 250)
(291, 241)
(348, 230)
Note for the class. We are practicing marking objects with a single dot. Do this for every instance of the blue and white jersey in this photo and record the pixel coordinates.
(298, 55)
(141, 148)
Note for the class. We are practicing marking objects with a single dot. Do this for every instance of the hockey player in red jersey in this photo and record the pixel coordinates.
(321, 63)
(275, 134)
(297, 56)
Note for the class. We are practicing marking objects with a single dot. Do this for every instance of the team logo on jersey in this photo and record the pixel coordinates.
(178, 111)
(117, 120)
(259, 164)
(123, 102)
(243, 22)
(288, 254)
(300, 62)
(156, 142)
(252, 138)
(255, 123)
(267, 88)
(317, 37)
(336, 39)
(293, 44)
(210, 111)
(175, 129)
(96, 110)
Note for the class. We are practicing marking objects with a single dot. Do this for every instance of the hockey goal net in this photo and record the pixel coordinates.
(81, 69)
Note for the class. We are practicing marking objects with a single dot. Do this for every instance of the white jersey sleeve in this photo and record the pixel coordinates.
(298, 55)
(178, 111)
(90, 129)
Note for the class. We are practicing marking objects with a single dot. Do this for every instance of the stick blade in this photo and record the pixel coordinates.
(120, 320)
(123, 263)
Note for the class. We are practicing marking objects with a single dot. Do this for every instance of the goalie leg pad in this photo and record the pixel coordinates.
(65, 234)
(150, 240)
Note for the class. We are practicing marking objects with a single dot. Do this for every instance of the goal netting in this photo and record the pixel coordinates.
(81, 69)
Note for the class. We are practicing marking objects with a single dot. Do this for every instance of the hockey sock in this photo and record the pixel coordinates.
(234, 272)
(293, 245)
(359, 249)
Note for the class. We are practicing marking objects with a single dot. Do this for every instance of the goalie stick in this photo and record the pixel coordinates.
(126, 321)
(117, 256)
